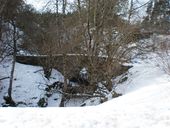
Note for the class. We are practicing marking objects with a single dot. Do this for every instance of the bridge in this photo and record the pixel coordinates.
(74, 63)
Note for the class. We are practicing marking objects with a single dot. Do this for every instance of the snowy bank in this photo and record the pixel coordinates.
(145, 104)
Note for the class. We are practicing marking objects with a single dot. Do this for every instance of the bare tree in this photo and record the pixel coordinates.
(9, 14)
(100, 40)
(14, 35)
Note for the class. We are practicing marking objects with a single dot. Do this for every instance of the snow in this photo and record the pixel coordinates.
(29, 83)
(145, 73)
(145, 104)
(29, 86)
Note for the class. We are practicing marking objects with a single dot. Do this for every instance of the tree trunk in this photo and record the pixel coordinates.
(64, 6)
(130, 11)
(65, 81)
(0, 29)
(13, 65)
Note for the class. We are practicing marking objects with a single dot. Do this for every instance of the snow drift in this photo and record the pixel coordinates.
(145, 104)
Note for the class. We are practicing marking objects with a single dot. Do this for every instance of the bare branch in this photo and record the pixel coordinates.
(4, 78)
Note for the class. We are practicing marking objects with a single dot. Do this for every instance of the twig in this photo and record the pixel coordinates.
(38, 70)
(78, 95)
(4, 78)
(141, 6)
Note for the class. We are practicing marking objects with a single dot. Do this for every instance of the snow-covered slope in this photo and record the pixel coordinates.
(28, 85)
(145, 104)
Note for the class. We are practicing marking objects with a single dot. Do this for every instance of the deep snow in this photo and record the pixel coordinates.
(28, 84)
(145, 104)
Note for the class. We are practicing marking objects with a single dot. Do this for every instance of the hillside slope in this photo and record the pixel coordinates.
(145, 104)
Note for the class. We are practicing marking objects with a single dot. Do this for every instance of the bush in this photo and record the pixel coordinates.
(163, 53)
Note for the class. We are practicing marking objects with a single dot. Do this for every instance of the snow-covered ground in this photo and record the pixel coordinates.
(29, 84)
(145, 104)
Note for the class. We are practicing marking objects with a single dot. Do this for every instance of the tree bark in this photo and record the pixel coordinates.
(130, 11)
(65, 81)
(13, 65)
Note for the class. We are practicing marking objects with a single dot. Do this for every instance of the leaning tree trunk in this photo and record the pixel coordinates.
(11, 101)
